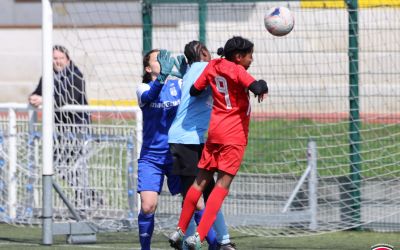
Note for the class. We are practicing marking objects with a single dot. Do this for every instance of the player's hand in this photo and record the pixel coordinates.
(166, 65)
(181, 65)
(35, 100)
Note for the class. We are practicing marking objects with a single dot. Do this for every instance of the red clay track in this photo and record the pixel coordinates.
(316, 117)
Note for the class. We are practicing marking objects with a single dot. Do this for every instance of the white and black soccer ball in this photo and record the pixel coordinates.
(279, 21)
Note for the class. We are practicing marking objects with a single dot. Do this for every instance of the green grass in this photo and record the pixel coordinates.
(279, 146)
(12, 237)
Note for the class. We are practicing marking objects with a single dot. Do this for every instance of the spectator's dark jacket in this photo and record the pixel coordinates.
(69, 88)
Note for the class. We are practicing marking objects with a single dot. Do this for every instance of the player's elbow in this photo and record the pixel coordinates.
(259, 87)
(194, 91)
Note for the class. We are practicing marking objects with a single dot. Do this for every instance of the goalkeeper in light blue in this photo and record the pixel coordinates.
(158, 96)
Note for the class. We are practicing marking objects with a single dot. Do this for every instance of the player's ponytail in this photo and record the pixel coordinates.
(235, 45)
(220, 51)
(146, 78)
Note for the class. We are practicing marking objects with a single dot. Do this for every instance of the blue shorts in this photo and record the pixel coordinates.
(151, 177)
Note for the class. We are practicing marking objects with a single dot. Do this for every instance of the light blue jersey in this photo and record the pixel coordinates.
(193, 115)
(159, 104)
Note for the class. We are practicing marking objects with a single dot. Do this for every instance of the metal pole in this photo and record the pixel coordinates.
(147, 26)
(131, 158)
(64, 198)
(202, 20)
(32, 201)
(139, 131)
(47, 121)
(296, 189)
(313, 183)
(139, 137)
(354, 116)
(12, 152)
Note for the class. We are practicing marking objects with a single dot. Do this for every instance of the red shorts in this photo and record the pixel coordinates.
(222, 157)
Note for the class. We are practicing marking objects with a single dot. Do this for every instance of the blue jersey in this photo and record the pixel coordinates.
(158, 104)
(193, 115)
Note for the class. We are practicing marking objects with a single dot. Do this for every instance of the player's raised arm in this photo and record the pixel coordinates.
(158, 66)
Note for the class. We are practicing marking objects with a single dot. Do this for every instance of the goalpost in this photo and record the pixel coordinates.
(332, 81)
(48, 120)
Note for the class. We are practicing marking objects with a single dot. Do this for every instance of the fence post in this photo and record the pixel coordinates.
(2, 166)
(354, 114)
(147, 21)
(313, 183)
(12, 167)
(32, 196)
(202, 20)
(130, 158)
(139, 136)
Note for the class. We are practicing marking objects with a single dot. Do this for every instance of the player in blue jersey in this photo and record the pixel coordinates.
(158, 96)
(186, 138)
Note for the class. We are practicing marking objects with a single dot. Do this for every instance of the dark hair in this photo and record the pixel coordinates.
(193, 51)
(146, 78)
(235, 45)
(62, 49)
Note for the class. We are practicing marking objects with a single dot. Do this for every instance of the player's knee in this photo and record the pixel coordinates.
(148, 208)
(199, 207)
(200, 204)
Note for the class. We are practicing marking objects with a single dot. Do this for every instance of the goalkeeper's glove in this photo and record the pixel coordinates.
(181, 65)
(166, 65)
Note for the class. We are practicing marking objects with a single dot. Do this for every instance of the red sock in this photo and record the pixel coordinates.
(189, 205)
(213, 205)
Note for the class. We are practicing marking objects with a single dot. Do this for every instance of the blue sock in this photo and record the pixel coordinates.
(146, 227)
(189, 232)
(221, 229)
(211, 236)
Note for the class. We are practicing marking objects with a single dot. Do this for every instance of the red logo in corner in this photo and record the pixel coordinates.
(382, 247)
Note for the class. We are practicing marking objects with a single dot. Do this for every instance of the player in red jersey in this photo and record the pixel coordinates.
(227, 135)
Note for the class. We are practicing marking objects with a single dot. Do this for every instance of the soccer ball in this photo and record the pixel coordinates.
(279, 21)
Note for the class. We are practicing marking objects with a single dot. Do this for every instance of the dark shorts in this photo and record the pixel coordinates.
(185, 158)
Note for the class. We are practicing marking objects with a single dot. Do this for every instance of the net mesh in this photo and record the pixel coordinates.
(308, 77)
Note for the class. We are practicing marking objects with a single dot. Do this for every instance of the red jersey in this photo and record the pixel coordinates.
(230, 115)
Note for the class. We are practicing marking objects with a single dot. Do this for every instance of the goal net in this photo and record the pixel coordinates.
(350, 179)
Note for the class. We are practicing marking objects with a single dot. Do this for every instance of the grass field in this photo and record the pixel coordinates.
(279, 146)
(12, 237)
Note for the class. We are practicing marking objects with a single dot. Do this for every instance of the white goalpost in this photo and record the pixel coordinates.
(48, 120)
